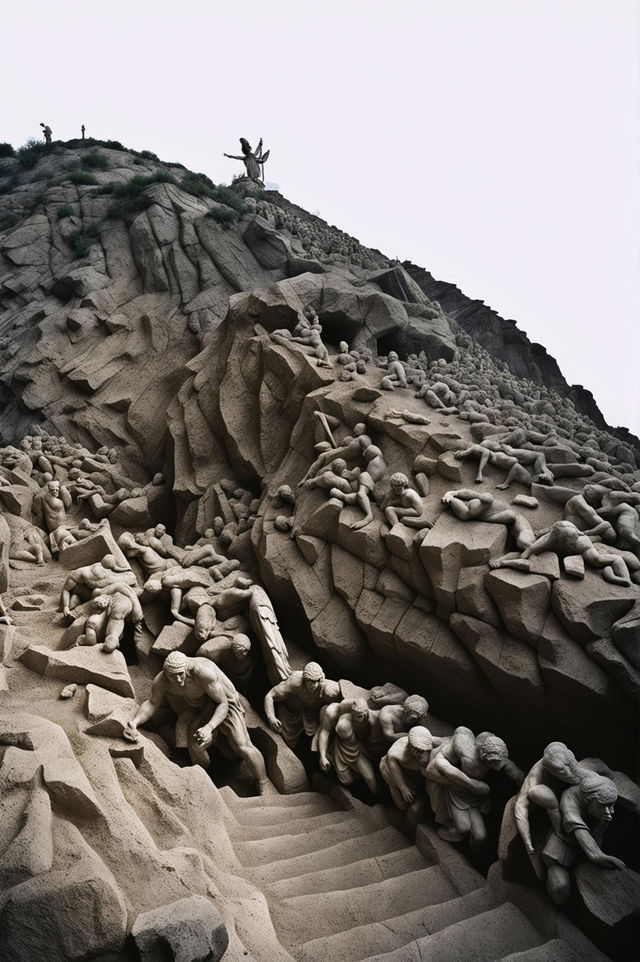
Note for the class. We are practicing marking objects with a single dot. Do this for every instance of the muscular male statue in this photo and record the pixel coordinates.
(205, 702)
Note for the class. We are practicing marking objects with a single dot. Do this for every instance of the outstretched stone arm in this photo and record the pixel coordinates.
(592, 850)
(279, 692)
(441, 770)
(215, 691)
(146, 711)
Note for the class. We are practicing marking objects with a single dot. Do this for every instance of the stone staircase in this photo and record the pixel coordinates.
(343, 885)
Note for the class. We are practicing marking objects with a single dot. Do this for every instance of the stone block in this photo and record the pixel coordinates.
(175, 637)
(522, 599)
(92, 549)
(81, 665)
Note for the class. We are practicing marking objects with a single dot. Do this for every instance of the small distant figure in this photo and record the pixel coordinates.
(253, 161)
(46, 130)
(82, 129)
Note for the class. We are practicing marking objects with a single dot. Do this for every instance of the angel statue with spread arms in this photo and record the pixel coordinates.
(253, 161)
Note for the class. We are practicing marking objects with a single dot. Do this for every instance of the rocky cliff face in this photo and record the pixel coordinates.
(139, 310)
(503, 339)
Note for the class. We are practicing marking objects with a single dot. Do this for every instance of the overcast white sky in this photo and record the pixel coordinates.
(494, 142)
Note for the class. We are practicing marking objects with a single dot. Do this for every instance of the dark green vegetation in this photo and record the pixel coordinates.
(81, 241)
(6, 150)
(81, 177)
(65, 210)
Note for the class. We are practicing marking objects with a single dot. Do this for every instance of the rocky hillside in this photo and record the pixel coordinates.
(149, 315)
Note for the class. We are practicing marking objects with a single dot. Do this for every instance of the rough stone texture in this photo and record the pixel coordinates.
(157, 343)
(81, 665)
(183, 931)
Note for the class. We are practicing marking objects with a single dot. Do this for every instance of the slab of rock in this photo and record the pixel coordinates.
(573, 565)
(101, 702)
(472, 598)
(522, 599)
(588, 609)
(92, 549)
(82, 665)
(76, 913)
(626, 636)
(17, 499)
(63, 777)
(366, 543)
(29, 603)
(452, 545)
(175, 637)
(190, 930)
(452, 468)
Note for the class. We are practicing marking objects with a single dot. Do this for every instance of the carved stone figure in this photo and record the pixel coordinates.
(564, 538)
(396, 375)
(300, 698)
(253, 161)
(398, 720)
(542, 786)
(206, 703)
(108, 612)
(365, 482)
(55, 502)
(586, 810)
(46, 130)
(455, 781)
(480, 506)
(403, 504)
(252, 598)
(81, 582)
(350, 739)
(406, 759)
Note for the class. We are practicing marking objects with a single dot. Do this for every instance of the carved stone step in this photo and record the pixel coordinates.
(557, 950)
(373, 844)
(357, 944)
(239, 832)
(332, 912)
(362, 872)
(488, 937)
(270, 849)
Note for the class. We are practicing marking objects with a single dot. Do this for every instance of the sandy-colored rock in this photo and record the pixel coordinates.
(77, 913)
(184, 931)
(82, 665)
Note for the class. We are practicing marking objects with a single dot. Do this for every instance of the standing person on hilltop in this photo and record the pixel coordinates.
(46, 130)
(82, 129)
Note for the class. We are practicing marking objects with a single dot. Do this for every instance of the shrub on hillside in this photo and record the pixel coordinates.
(6, 150)
(202, 186)
(65, 210)
(81, 177)
(224, 216)
(30, 153)
(94, 160)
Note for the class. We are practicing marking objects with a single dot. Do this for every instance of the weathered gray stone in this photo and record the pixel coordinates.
(82, 665)
(190, 930)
